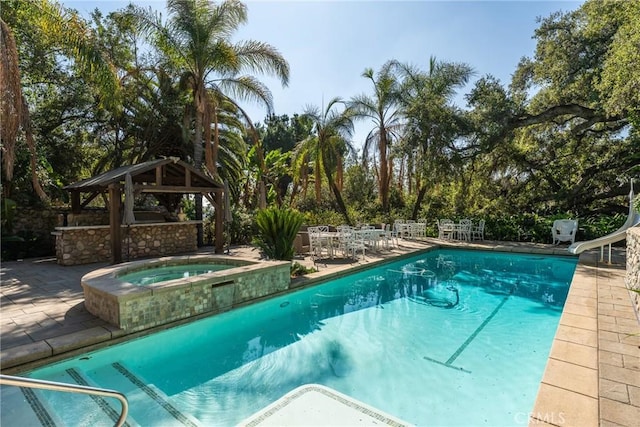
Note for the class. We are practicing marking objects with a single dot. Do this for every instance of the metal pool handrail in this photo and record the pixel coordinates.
(70, 388)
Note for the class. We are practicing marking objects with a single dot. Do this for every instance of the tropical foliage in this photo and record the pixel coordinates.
(560, 139)
(277, 229)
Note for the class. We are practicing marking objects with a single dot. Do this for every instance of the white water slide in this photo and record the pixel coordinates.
(633, 220)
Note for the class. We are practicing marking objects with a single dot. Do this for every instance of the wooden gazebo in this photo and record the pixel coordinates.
(169, 175)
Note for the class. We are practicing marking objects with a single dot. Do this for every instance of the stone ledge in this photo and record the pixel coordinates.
(24, 354)
(65, 343)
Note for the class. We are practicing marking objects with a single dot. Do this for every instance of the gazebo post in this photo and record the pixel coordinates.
(75, 202)
(115, 195)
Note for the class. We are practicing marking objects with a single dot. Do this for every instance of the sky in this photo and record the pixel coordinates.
(328, 44)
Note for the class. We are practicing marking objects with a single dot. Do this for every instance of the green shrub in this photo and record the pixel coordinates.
(277, 229)
(298, 269)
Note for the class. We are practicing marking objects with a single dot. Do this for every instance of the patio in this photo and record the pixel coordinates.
(592, 375)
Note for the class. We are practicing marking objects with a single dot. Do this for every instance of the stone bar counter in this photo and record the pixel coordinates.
(92, 243)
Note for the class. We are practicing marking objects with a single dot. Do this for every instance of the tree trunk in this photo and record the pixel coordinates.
(339, 201)
(318, 180)
(383, 179)
(197, 134)
(197, 157)
(422, 190)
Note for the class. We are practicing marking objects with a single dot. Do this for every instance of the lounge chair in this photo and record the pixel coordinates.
(564, 230)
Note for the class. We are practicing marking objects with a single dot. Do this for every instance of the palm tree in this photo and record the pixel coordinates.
(327, 147)
(434, 123)
(383, 108)
(196, 41)
(68, 33)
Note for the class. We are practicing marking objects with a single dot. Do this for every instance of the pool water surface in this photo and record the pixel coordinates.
(447, 338)
(165, 273)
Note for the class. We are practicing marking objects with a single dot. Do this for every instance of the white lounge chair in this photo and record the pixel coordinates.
(564, 230)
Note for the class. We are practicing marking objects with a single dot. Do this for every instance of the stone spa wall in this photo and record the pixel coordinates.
(134, 308)
(89, 244)
(633, 265)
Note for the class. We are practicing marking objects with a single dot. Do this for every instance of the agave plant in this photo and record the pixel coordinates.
(277, 230)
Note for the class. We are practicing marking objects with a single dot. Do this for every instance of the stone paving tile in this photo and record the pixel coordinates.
(583, 301)
(620, 348)
(620, 314)
(631, 339)
(605, 423)
(28, 319)
(631, 362)
(581, 310)
(38, 334)
(572, 377)
(44, 307)
(8, 311)
(577, 335)
(609, 336)
(16, 339)
(82, 338)
(614, 390)
(25, 353)
(584, 322)
(48, 323)
(621, 375)
(602, 306)
(611, 358)
(565, 408)
(627, 322)
(614, 294)
(626, 415)
(577, 354)
(634, 395)
(585, 293)
(617, 328)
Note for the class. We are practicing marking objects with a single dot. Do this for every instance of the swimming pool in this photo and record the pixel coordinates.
(466, 345)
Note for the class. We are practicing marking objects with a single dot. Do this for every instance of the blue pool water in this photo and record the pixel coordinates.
(149, 276)
(446, 338)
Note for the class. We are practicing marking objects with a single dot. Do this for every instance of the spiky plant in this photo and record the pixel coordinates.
(277, 230)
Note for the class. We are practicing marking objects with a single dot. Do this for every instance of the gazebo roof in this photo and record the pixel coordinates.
(169, 175)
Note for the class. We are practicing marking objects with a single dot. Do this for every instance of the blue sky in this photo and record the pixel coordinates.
(328, 44)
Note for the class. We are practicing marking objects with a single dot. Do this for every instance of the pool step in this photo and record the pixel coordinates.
(146, 402)
(23, 407)
(36, 407)
(105, 404)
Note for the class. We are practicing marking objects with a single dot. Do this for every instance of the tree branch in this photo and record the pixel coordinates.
(578, 111)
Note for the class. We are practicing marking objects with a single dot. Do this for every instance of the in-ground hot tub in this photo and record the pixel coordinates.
(228, 282)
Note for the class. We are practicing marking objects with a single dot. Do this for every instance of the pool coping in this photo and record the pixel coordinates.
(592, 375)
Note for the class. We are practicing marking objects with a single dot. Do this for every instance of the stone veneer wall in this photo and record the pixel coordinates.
(135, 308)
(37, 223)
(85, 245)
(633, 265)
